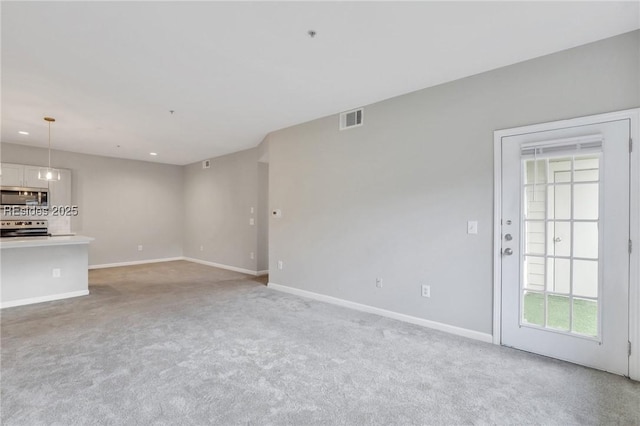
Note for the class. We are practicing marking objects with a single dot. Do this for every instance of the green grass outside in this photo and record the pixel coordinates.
(585, 313)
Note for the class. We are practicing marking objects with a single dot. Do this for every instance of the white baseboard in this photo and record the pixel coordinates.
(41, 299)
(222, 266)
(262, 273)
(135, 262)
(484, 337)
(190, 259)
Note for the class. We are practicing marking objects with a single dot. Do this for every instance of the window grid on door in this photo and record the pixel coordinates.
(561, 244)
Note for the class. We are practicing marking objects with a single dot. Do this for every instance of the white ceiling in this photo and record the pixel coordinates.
(109, 72)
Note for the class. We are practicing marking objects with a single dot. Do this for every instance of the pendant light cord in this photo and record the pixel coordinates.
(49, 120)
(49, 146)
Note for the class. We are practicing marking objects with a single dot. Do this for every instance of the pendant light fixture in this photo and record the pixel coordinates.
(49, 173)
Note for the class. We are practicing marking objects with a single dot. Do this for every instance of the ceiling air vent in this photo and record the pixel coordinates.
(351, 119)
(206, 164)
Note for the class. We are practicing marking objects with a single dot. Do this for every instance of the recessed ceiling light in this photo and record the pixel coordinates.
(153, 153)
(22, 132)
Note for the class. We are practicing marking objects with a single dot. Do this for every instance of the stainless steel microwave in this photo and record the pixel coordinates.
(24, 197)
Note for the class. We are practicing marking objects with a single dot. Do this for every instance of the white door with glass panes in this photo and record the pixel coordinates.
(565, 244)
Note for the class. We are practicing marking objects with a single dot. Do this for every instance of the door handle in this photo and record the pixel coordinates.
(508, 252)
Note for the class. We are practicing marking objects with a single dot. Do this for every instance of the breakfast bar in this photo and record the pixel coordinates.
(41, 269)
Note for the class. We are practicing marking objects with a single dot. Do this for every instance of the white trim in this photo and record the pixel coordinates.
(222, 266)
(189, 259)
(471, 334)
(634, 274)
(497, 239)
(634, 261)
(135, 262)
(32, 300)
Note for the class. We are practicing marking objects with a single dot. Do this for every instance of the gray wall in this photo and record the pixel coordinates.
(122, 203)
(217, 203)
(263, 216)
(391, 199)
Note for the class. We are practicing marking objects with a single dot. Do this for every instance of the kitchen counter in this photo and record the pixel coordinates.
(21, 242)
(41, 269)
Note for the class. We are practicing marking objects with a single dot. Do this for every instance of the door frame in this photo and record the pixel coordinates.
(634, 261)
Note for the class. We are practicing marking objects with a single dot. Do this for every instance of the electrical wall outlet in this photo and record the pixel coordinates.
(56, 273)
(201, 248)
(252, 255)
(140, 247)
(379, 282)
(252, 221)
(280, 264)
(426, 290)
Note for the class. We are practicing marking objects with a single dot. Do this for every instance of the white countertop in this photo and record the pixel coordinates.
(18, 242)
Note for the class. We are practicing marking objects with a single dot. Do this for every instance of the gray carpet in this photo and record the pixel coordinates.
(184, 344)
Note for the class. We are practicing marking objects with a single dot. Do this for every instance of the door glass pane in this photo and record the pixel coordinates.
(534, 237)
(585, 278)
(585, 201)
(558, 312)
(559, 201)
(558, 275)
(535, 201)
(559, 170)
(585, 316)
(536, 171)
(586, 169)
(559, 239)
(561, 212)
(534, 273)
(585, 239)
(533, 312)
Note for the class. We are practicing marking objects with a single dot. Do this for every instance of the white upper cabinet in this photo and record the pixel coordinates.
(12, 174)
(60, 190)
(31, 178)
(22, 175)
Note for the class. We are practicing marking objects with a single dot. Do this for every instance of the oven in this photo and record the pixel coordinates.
(24, 228)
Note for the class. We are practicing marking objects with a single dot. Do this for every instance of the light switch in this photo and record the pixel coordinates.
(472, 227)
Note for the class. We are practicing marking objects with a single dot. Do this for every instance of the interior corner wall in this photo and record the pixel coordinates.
(263, 217)
(217, 209)
(391, 199)
(121, 203)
